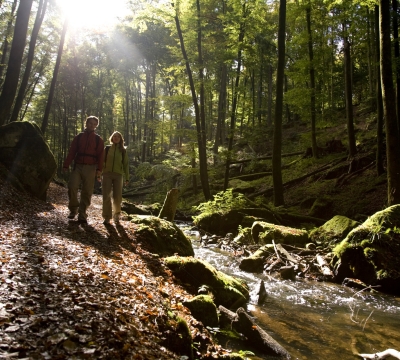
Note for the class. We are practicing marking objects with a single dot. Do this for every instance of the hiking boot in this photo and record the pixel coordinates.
(72, 215)
(116, 218)
(106, 222)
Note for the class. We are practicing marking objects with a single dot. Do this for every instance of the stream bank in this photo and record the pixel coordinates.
(310, 319)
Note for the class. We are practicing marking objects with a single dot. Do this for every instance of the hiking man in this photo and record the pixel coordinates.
(87, 152)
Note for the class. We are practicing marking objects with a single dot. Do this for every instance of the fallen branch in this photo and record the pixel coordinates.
(382, 355)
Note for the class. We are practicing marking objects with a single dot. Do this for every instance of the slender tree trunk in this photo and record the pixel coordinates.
(312, 84)
(379, 106)
(221, 111)
(269, 102)
(4, 50)
(32, 44)
(202, 150)
(54, 78)
(280, 75)
(234, 103)
(389, 98)
(203, 137)
(146, 117)
(396, 58)
(349, 98)
(15, 60)
(369, 60)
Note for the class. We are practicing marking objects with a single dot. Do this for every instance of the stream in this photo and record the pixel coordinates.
(313, 320)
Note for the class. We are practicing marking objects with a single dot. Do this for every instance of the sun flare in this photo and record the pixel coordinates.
(92, 14)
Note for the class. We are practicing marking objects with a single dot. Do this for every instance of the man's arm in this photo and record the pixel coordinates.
(71, 153)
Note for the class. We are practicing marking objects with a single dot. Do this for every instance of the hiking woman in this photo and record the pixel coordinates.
(115, 169)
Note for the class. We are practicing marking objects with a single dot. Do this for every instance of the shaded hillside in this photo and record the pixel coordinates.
(330, 185)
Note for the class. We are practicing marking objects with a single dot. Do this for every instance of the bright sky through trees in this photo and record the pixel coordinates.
(93, 14)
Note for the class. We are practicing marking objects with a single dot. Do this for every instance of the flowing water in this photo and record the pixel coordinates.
(314, 320)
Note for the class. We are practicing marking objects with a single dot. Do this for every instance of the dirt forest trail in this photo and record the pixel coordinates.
(81, 291)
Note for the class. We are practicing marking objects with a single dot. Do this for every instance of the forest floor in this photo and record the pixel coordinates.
(83, 291)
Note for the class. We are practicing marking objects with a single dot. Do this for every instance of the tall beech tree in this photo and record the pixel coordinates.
(235, 97)
(389, 98)
(312, 83)
(6, 42)
(380, 148)
(45, 121)
(280, 77)
(15, 60)
(201, 147)
(41, 11)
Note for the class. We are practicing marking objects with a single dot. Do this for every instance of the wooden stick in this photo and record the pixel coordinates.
(382, 355)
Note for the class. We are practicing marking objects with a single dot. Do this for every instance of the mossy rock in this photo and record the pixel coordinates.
(194, 273)
(203, 309)
(264, 233)
(322, 208)
(27, 156)
(161, 236)
(221, 223)
(333, 231)
(244, 237)
(241, 186)
(255, 262)
(179, 340)
(140, 209)
(371, 251)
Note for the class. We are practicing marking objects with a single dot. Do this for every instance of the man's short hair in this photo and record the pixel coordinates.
(92, 118)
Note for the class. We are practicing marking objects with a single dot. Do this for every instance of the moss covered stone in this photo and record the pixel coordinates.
(333, 231)
(264, 233)
(371, 251)
(194, 273)
(255, 262)
(161, 237)
(203, 309)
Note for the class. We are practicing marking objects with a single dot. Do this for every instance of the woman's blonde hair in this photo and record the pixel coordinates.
(121, 143)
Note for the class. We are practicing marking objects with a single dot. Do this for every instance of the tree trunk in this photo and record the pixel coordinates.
(32, 44)
(202, 128)
(234, 103)
(54, 79)
(379, 106)
(277, 145)
(396, 58)
(269, 101)
(221, 111)
(168, 209)
(15, 60)
(389, 98)
(349, 97)
(202, 150)
(312, 84)
(4, 50)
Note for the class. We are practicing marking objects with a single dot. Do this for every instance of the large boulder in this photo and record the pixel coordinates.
(371, 252)
(264, 232)
(161, 236)
(221, 223)
(333, 231)
(27, 157)
(195, 273)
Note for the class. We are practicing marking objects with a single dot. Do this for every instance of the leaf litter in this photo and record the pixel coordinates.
(83, 291)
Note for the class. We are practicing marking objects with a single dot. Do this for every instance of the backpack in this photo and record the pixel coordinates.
(97, 145)
(106, 152)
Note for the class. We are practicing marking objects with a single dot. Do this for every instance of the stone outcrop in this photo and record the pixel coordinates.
(264, 232)
(27, 157)
(161, 236)
(195, 273)
(333, 231)
(371, 252)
